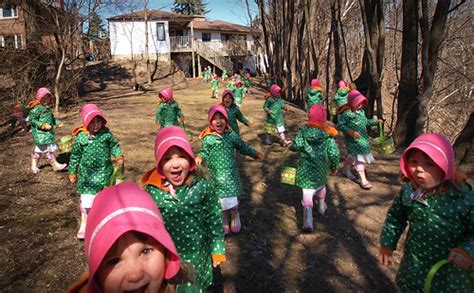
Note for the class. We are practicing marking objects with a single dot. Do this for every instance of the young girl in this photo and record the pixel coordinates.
(214, 86)
(438, 206)
(354, 124)
(218, 151)
(247, 83)
(168, 112)
(90, 162)
(188, 203)
(233, 112)
(239, 93)
(318, 155)
(126, 245)
(42, 123)
(314, 94)
(224, 75)
(274, 107)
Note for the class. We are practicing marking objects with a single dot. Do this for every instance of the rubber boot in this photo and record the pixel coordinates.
(307, 219)
(235, 224)
(225, 221)
(34, 166)
(82, 229)
(56, 165)
(322, 207)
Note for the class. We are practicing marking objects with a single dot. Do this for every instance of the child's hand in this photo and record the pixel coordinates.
(181, 119)
(158, 126)
(198, 161)
(215, 264)
(380, 121)
(461, 259)
(61, 124)
(46, 126)
(354, 134)
(269, 112)
(249, 125)
(72, 178)
(120, 161)
(259, 155)
(385, 259)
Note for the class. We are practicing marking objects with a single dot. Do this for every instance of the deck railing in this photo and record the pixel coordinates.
(222, 48)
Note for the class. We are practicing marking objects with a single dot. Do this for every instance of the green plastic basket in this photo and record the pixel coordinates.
(65, 144)
(435, 268)
(118, 175)
(383, 145)
(288, 175)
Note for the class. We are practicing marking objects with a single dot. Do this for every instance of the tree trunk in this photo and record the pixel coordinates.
(147, 56)
(464, 143)
(407, 108)
(336, 35)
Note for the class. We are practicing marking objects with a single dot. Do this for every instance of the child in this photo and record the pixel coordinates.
(214, 86)
(218, 151)
(319, 154)
(342, 94)
(90, 162)
(224, 75)
(314, 95)
(206, 74)
(188, 203)
(354, 126)
(438, 207)
(231, 84)
(233, 112)
(247, 83)
(42, 123)
(239, 93)
(168, 112)
(127, 246)
(20, 114)
(274, 107)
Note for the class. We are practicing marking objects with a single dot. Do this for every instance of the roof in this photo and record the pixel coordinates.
(219, 25)
(152, 15)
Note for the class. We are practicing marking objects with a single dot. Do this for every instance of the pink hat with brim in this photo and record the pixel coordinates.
(238, 81)
(119, 209)
(435, 146)
(88, 112)
(217, 108)
(342, 83)
(275, 90)
(315, 83)
(247, 75)
(317, 113)
(169, 137)
(166, 93)
(41, 93)
(356, 98)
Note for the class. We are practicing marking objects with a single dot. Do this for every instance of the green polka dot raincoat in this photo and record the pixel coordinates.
(91, 159)
(442, 222)
(40, 115)
(356, 121)
(218, 151)
(234, 114)
(342, 94)
(277, 106)
(318, 155)
(168, 114)
(192, 216)
(239, 93)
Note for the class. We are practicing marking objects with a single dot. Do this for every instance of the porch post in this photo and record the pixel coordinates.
(192, 49)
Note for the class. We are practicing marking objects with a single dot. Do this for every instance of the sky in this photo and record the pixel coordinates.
(233, 11)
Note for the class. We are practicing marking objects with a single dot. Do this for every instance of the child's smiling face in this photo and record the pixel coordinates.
(218, 122)
(132, 264)
(228, 100)
(175, 166)
(423, 170)
(95, 125)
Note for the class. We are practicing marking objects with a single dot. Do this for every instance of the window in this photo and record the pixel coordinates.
(160, 31)
(7, 11)
(206, 37)
(10, 41)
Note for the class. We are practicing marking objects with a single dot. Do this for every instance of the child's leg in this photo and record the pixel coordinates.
(281, 133)
(347, 168)
(360, 168)
(86, 204)
(321, 196)
(225, 221)
(52, 161)
(307, 204)
(235, 224)
(229, 206)
(34, 162)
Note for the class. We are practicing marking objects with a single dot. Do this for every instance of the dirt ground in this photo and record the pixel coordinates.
(39, 213)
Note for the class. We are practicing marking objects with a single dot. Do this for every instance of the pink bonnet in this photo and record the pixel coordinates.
(217, 108)
(168, 137)
(315, 83)
(317, 113)
(88, 112)
(119, 209)
(275, 90)
(166, 93)
(435, 146)
(41, 93)
(342, 83)
(356, 98)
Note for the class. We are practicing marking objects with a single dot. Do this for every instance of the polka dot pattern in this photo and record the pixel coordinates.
(193, 219)
(234, 114)
(318, 154)
(219, 154)
(91, 160)
(313, 97)
(168, 114)
(38, 116)
(341, 97)
(356, 121)
(444, 222)
(277, 105)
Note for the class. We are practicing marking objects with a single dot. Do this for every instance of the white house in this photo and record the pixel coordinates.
(179, 37)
